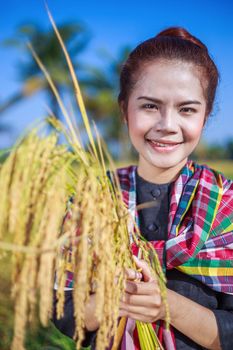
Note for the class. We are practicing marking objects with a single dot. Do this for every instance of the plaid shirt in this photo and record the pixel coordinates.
(200, 227)
(200, 233)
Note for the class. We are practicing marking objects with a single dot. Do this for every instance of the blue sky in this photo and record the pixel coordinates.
(114, 24)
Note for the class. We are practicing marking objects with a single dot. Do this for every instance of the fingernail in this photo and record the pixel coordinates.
(136, 258)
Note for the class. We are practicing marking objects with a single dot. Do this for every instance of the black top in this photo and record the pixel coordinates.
(153, 226)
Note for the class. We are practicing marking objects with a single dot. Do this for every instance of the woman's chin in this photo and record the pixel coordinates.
(167, 162)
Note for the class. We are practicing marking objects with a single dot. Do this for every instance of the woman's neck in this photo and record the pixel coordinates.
(156, 175)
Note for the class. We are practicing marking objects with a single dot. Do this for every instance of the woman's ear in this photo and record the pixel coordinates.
(125, 120)
(123, 112)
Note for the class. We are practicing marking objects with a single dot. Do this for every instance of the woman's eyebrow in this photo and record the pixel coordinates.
(156, 100)
(189, 103)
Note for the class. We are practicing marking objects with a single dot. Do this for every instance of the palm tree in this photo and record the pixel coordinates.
(229, 148)
(76, 37)
(101, 87)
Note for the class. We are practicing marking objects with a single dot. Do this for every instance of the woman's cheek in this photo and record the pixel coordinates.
(137, 127)
(140, 124)
(192, 131)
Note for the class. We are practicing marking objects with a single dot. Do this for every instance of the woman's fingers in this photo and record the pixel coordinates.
(140, 310)
(133, 275)
(142, 288)
(140, 300)
(134, 316)
(144, 272)
(145, 269)
(140, 313)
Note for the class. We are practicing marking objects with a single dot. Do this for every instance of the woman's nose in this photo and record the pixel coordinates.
(167, 121)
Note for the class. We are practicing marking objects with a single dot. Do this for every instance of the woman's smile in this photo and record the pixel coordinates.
(163, 146)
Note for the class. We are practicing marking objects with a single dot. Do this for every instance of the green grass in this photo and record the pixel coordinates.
(37, 337)
(224, 166)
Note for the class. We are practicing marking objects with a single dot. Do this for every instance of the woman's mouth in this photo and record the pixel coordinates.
(163, 146)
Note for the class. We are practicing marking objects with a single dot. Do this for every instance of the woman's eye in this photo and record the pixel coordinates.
(150, 106)
(188, 110)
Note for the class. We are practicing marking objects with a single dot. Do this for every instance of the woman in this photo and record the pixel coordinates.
(167, 91)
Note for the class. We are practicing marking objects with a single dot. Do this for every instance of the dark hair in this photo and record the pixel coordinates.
(173, 43)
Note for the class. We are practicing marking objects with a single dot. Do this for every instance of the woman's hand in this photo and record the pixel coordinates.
(142, 301)
(142, 298)
(91, 323)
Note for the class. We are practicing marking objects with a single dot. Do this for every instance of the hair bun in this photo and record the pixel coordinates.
(181, 33)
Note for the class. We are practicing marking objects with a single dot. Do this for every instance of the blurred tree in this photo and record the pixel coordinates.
(216, 151)
(76, 38)
(101, 87)
(229, 148)
(200, 152)
(211, 152)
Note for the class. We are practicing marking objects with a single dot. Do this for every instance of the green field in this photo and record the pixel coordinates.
(224, 166)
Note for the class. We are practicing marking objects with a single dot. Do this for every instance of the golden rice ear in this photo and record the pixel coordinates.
(35, 169)
(77, 90)
(93, 243)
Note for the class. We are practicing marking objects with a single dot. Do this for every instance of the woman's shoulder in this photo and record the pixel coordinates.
(216, 177)
(125, 171)
(125, 175)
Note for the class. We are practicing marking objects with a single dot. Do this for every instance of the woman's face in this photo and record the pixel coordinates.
(165, 115)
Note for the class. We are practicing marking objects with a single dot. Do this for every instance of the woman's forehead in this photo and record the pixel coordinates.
(169, 78)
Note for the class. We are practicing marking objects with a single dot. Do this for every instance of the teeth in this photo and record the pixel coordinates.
(161, 144)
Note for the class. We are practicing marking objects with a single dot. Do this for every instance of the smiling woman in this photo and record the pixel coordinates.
(167, 90)
(165, 115)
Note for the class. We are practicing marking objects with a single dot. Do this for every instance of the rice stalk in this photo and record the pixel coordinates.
(91, 243)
